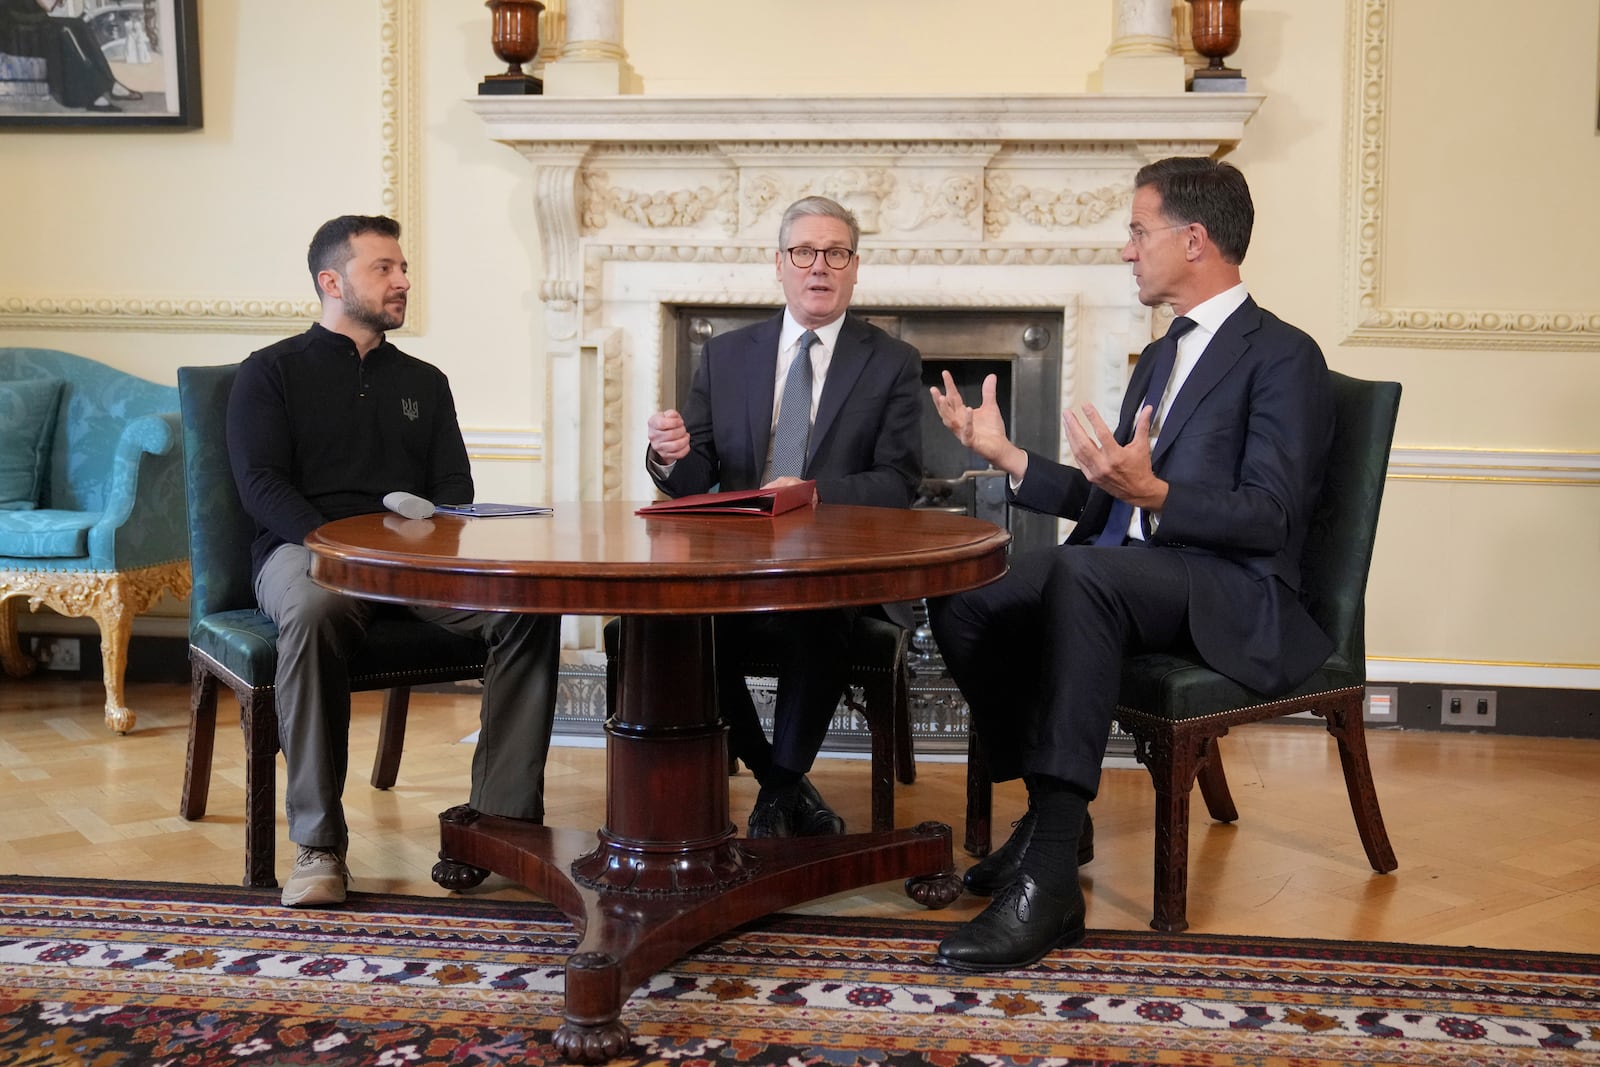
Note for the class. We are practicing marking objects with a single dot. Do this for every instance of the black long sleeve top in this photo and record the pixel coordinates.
(316, 433)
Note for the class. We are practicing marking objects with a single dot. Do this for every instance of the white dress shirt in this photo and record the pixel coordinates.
(821, 359)
(1208, 316)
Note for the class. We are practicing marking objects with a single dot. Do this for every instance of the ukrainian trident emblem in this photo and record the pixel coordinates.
(410, 409)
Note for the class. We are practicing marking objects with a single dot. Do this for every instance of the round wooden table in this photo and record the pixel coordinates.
(667, 871)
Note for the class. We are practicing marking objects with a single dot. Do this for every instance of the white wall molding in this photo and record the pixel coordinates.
(520, 446)
(1369, 319)
(398, 193)
(1486, 465)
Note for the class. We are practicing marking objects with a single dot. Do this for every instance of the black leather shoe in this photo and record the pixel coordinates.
(1019, 928)
(770, 818)
(999, 868)
(812, 816)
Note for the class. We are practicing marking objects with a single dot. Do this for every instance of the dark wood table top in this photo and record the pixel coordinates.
(601, 558)
(663, 875)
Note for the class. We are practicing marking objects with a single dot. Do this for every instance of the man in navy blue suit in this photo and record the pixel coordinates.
(1190, 519)
(847, 397)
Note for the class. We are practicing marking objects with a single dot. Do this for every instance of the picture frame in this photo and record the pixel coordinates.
(100, 64)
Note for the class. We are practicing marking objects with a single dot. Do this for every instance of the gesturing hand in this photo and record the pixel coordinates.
(981, 429)
(669, 440)
(1124, 471)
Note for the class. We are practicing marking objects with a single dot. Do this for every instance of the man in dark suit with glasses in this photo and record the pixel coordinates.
(1190, 519)
(813, 393)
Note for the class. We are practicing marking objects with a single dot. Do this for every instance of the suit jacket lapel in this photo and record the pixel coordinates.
(849, 359)
(760, 366)
(1225, 349)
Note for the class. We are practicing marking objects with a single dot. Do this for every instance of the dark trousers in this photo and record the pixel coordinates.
(811, 650)
(1038, 654)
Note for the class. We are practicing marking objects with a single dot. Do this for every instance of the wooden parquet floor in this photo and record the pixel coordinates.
(1498, 838)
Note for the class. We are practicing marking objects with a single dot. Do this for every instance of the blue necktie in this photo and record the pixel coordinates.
(793, 432)
(1165, 355)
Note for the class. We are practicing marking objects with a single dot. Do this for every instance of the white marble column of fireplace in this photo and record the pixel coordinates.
(592, 60)
(647, 203)
(1144, 55)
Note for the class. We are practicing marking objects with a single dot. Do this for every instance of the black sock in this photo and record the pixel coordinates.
(759, 762)
(776, 780)
(1052, 856)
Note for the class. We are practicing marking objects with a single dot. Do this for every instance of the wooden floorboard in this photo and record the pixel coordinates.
(1498, 838)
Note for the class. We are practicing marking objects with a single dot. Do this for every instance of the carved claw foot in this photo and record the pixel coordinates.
(934, 890)
(456, 876)
(461, 814)
(580, 1043)
(119, 719)
(592, 1031)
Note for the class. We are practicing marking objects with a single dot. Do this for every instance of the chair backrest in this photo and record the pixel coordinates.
(1344, 526)
(220, 531)
(96, 403)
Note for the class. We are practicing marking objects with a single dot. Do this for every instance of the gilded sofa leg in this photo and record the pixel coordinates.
(123, 595)
(112, 615)
(16, 663)
(112, 599)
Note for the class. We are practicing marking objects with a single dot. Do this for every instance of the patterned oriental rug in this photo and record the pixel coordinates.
(112, 974)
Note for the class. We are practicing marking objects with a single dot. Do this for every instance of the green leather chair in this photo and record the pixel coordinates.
(1176, 708)
(233, 642)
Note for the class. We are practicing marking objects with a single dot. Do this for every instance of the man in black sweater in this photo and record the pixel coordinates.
(322, 426)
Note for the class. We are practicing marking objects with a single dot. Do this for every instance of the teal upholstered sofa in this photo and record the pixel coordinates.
(92, 515)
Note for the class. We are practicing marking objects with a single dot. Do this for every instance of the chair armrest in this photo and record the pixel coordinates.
(144, 521)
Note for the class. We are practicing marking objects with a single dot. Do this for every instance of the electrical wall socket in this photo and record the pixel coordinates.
(58, 653)
(1467, 707)
(1382, 704)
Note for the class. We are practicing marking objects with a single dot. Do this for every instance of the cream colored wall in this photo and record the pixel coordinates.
(1488, 168)
(860, 46)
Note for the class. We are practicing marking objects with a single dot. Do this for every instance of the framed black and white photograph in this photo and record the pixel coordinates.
(99, 63)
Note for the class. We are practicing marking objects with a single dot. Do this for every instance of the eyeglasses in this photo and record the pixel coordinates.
(1138, 234)
(803, 256)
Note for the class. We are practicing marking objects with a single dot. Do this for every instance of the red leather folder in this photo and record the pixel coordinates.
(766, 502)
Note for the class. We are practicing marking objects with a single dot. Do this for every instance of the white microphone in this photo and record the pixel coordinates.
(409, 505)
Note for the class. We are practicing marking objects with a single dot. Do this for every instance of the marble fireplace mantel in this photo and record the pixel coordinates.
(648, 203)
(1217, 118)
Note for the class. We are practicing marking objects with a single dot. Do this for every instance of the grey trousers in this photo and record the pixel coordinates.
(318, 630)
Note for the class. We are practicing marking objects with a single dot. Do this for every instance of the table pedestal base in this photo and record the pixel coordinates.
(666, 872)
(629, 935)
